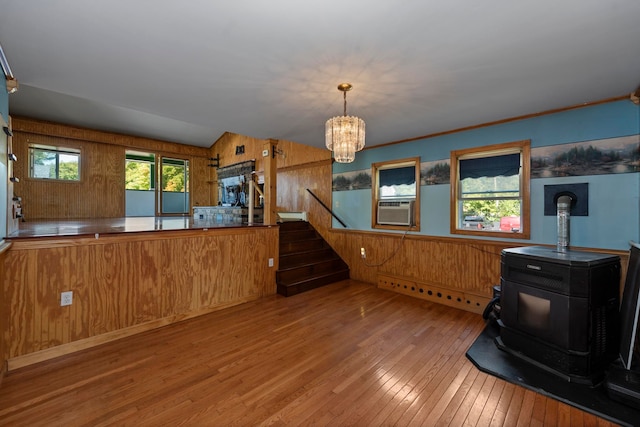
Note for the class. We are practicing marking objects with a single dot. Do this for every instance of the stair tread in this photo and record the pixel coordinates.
(299, 241)
(298, 247)
(320, 254)
(295, 225)
(303, 265)
(298, 232)
(308, 251)
(312, 262)
(314, 277)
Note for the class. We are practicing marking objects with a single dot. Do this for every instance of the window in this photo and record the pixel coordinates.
(48, 162)
(139, 171)
(156, 185)
(490, 190)
(396, 194)
(175, 186)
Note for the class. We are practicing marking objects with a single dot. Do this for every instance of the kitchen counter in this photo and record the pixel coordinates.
(87, 227)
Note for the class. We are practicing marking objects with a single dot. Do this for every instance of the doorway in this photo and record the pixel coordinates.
(149, 193)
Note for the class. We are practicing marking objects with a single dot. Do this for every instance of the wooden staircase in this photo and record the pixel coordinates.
(306, 260)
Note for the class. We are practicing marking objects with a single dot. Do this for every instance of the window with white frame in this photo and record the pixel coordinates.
(490, 190)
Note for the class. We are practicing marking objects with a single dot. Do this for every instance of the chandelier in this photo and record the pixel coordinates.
(344, 135)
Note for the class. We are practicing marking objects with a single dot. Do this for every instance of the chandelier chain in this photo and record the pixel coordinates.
(345, 103)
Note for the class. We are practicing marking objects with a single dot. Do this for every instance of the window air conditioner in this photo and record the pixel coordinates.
(395, 212)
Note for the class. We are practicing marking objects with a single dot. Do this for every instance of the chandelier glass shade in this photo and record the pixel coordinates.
(344, 135)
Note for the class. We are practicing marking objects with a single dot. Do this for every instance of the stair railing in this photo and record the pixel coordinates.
(252, 194)
(327, 209)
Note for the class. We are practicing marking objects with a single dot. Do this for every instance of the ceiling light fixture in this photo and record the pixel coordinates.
(344, 135)
(12, 85)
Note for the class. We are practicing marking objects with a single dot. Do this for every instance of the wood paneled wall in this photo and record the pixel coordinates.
(126, 283)
(293, 195)
(457, 264)
(100, 193)
(13, 206)
(299, 167)
(39, 127)
(462, 264)
(292, 153)
(4, 315)
(101, 173)
(202, 185)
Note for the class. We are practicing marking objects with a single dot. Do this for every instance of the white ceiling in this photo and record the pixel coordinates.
(188, 71)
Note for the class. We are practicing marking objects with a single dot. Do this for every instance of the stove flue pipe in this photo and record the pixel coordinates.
(563, 208)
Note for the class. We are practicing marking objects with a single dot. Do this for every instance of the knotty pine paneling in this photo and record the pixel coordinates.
(127, 281)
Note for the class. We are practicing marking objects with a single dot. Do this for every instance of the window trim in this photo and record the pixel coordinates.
(524, 148)
(58, 149)
(375, 197)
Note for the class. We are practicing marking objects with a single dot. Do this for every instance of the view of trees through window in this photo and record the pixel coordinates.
(488, 200)
(169, 195)
(54, 163)
(174, 173)
(140, 173)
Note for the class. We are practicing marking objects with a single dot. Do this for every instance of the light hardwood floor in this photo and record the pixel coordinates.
(344, 354)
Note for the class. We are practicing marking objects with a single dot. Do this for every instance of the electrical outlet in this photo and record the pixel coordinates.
(66, 298)
(270, 262)
(363, 253)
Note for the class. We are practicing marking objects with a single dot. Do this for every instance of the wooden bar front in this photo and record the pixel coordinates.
(126, 283)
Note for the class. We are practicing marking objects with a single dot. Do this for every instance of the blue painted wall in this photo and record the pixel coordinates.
(614, 199)
(4, 103)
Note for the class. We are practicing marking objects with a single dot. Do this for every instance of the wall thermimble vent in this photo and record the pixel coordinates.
(454, 298)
